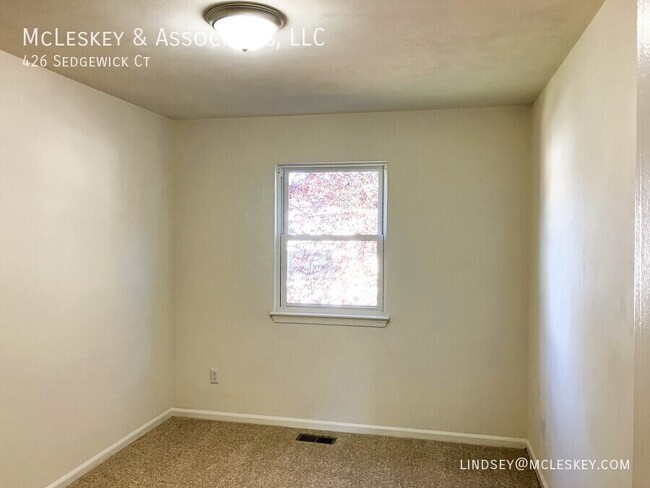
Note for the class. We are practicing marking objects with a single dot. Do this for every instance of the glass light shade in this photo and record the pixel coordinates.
(245, 32)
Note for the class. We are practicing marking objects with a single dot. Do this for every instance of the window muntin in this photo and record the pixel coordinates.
(330, 232)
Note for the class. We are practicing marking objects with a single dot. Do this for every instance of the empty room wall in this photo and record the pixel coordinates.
(453, 357)
(582, 335)
(84, 273)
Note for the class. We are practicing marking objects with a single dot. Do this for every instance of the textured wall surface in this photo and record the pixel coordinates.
(642, 278)
(84, 272)
(582, 335)
(453, 357)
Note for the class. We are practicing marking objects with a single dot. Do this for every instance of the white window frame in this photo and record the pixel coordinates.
(326, 314)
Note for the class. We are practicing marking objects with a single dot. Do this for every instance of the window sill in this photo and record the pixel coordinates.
(377, 321)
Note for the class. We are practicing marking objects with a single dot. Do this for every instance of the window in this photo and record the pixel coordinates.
(330, 228)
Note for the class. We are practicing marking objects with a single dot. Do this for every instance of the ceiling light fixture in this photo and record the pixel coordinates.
(245, 26)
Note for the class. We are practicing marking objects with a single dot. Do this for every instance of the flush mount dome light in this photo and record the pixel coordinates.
(245, 26)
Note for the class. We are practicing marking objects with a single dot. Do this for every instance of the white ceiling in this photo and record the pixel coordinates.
(379, 54)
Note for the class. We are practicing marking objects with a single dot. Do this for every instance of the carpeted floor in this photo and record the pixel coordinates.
(188, 453)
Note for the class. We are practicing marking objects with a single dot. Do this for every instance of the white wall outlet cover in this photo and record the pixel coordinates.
(214, 376)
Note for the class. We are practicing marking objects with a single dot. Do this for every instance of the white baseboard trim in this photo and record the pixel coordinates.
(539, 473)
(96, 460)
(432, 435)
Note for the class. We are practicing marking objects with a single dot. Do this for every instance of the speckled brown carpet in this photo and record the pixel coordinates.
(188, 453)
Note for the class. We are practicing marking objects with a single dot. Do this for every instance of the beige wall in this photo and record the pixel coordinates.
(84, 224)
(453, 357)
(582, 336)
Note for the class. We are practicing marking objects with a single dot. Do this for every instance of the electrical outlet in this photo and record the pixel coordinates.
(214, 376)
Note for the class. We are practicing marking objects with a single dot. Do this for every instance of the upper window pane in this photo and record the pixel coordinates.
(333, 203)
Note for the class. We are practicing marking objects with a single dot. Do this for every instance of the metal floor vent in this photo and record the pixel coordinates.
(318, 439)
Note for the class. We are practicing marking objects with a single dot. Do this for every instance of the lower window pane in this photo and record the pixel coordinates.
(341, 273)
